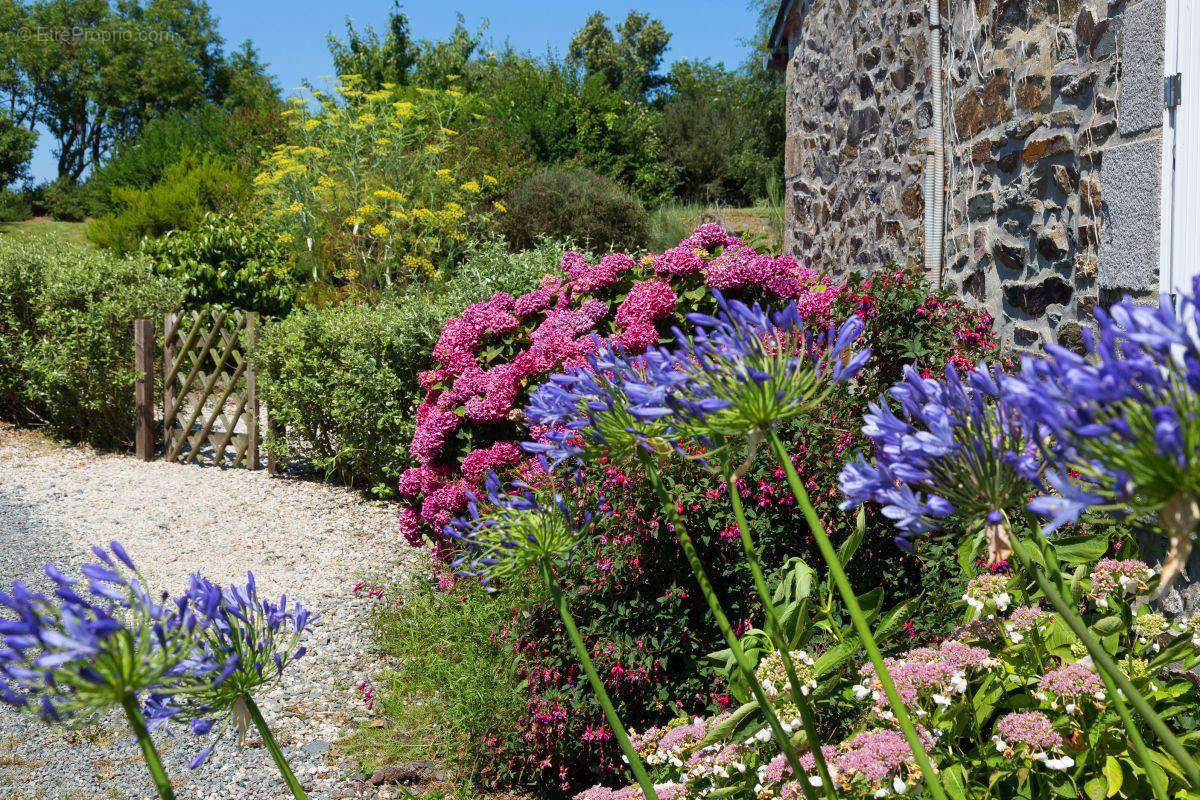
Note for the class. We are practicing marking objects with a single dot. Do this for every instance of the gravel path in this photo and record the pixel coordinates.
(308, 540)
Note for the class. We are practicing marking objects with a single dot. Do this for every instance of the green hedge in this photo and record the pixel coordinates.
(66, 337)
(343, 378)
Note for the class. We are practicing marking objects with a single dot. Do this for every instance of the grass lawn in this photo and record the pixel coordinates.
(761, 225)
(38, 227)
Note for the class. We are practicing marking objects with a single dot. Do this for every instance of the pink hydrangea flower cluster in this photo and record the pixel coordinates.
(561, 323)
(1030, 729)
(1024, 619)
(927, 678)
(668, 745)
(665, 791)
(1114, 578)
(879, 762)
(1069, 685)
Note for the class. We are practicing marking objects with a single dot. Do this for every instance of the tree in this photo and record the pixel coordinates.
(245, 82)
(629, 59)
(16, 149)
(376, 61)
(99, 73)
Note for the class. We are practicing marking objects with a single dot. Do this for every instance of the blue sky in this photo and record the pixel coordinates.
(290, 34)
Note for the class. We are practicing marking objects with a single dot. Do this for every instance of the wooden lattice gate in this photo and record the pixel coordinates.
(210, 388)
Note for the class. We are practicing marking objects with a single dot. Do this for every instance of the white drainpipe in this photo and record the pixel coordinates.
(935, 161)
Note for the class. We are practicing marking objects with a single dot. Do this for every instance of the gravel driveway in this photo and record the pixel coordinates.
(308, 540)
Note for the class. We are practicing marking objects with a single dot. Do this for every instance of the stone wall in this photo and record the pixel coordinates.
(1053, 129)
(857, 118)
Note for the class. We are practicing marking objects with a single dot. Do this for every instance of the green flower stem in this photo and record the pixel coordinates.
(856, 615)
(610, 713)
(781, 640)
(731, 640)
(273, 748)
(153, 762)
(1112, 674)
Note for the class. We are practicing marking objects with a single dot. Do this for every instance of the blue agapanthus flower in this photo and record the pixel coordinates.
(955, 449)
(747, 368)
(519, 528)
(1119, 425)
(245, 642)
(743, 370)
(614, 403)
(94, 641)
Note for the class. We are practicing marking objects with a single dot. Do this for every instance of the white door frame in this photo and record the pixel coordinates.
(1179, 219)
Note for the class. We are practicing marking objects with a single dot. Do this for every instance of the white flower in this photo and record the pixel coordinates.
(899, 785)
(941, 700)
(814, 780)
(1016, 636)
(881, 792)
(1060, 763)
(1001, 745)
(764, 735)
(1099, 696)
(1070, 708)
(1102, 602)
(1130, 585)
(1002, 600)
(860, 691)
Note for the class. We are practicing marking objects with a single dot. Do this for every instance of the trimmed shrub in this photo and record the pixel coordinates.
(227, 261)
(66, 337)
(343, 378)
(60, 199)
(575, 204)
(190, 189)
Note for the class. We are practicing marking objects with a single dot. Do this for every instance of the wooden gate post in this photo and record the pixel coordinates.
(252, 422)
(143, 388)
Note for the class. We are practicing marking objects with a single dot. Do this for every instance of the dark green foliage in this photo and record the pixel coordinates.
(343, 378)
(575, 204)
(61, 199)
(723, 132)
(376, 60)
(625, 58)
(188, 190)
(16, 148)
(66, 337)
(238, 136)
(14, 206)
(227, 261)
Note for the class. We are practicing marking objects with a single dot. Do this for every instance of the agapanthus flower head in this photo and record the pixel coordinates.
(613, 404)
(956, 449)
(1116, 579)
(1030, 735)
(772, 674)
(251, 640)
(1118, 423)
(988, 591)
(519, 527)
(94, 641)
(748, 369)
(1069, 686)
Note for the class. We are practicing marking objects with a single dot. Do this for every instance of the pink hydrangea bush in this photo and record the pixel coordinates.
(490, 355)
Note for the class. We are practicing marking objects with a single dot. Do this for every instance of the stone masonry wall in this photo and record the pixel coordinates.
(1053, 129)
(857, 118)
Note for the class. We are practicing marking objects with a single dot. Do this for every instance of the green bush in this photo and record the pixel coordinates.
(66, 337)
(227, 261)
(16, 149)
(458, 688)
(14, 206)
(571, 203)
(188, 190)
(60, 199)
(239, 136)
(343, 378)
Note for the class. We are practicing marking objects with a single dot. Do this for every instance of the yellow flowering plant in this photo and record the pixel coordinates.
(368, 188)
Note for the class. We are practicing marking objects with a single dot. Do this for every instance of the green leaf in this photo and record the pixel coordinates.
(848, 548)
(1107, 626)
(1096, 788)
(729, 724)
(954, 782)
(1080, 549)
(1112, 771)
(986, 698)
(968, 549)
